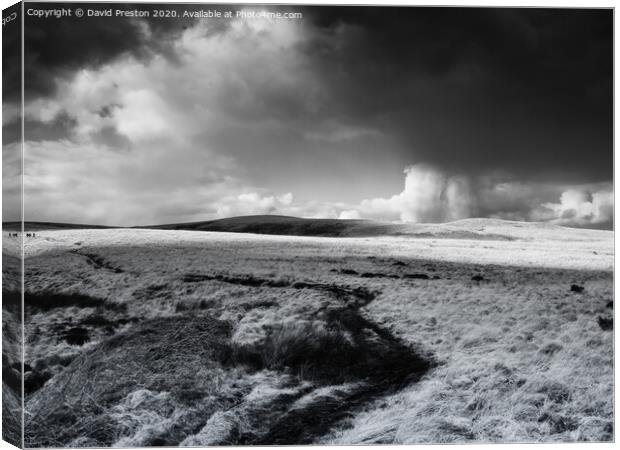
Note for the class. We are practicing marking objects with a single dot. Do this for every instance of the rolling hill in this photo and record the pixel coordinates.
(475, 228)
(39, 226)
(291, 226)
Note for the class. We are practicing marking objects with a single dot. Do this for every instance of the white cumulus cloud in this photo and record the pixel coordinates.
(349, 214)
(578, 207)
(429, 196)
(252, 203)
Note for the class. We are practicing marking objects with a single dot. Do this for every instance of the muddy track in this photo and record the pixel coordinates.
(397, 367)
(305, 426)
(98, 262)
(48, 300)
(382, 365)
(359, 296)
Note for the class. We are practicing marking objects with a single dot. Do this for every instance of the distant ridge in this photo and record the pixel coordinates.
(286, 225)
(474, 228)
(38, 226)
(295, 226)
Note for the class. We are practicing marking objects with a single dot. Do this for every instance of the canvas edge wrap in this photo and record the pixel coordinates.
(12, 227)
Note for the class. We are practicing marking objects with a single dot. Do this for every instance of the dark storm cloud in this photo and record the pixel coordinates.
(468, 89)
(109, 137)
(493, 112)
(478, 89)
(11, 126)
(11, 132)
(11, 54)
(56, 48)
(36, 131)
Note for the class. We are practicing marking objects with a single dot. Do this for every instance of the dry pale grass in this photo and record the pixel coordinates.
(520, 357)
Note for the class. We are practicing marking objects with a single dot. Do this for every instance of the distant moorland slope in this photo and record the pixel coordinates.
(38, 226)
(478, 228)
(291, 226)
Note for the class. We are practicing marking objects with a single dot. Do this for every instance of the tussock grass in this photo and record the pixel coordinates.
(141, 387)
(11, 416)
(354, 359)
(11, 367)
(11, 347)
(11, 280)
(164, 355)
(302, 346)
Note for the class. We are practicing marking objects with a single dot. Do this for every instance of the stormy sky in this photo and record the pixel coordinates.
(408, 114)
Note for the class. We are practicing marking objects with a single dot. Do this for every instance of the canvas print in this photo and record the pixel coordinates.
(229, 224)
